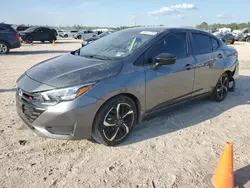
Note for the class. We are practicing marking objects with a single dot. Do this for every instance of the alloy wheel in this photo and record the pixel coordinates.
(3, 48)
(222, 87)
(118, 121)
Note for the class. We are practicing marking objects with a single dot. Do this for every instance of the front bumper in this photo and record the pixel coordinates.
(66, 120)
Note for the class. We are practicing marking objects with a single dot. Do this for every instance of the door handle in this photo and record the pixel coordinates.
(188, 66)
(220, 56)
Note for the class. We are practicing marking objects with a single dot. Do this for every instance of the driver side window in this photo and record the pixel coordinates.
(174, 44)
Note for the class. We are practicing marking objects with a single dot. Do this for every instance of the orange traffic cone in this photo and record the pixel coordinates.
(223, 176)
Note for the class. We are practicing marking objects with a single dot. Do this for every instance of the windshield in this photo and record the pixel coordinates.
(117, 45)
(31, 29)
(103, 34)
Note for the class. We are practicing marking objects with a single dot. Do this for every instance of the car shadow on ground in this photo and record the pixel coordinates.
(37, 52)
(182, 116)
(68, 42)
(242, 176)
(7, 90)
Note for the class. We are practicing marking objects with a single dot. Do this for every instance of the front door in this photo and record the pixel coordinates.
(169, 83)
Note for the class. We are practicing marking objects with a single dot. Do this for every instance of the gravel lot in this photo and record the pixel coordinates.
(174, 150)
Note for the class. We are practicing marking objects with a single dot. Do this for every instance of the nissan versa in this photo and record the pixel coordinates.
(105, 88)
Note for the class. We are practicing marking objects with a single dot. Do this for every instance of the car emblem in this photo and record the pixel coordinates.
(20, 93)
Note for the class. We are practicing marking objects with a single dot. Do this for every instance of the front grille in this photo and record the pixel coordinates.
(26, 106)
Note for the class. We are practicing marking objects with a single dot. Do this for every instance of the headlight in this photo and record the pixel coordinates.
(65, 94)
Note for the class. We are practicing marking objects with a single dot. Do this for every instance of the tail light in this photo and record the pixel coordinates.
(17, 36)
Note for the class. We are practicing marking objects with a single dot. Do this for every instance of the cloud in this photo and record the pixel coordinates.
(222, 16)
(201, 17)
(180, 16)
(173, 9)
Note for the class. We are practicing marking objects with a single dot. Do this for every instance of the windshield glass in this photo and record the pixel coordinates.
(103, 34)
(31, 29)
(117, 45)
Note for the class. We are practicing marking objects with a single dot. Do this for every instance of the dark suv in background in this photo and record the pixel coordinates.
(38, 34)
(9, 38)
(244, 35)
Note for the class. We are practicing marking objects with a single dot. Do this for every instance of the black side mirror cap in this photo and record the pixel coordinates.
(164, 59)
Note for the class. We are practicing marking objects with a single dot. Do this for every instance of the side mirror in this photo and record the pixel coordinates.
(164, 59)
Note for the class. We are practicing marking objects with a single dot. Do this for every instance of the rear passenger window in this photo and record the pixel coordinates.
(2, 29)
(202, 44)
(215, 44)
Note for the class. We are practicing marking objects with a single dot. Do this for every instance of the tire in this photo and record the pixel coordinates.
(118, 129)
(232, 42)
(248, 39)
(29, 40)
(65, 36)
(221, 88)
(51, 40)
(4, 48)
(42, 41)
(79, 37)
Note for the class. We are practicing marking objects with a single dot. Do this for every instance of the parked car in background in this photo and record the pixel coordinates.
(38, 34)
(91, 39)
(9, 38)
(85, 34)
(227, 38)
(22, 28)
(66, 34)
(244, 35)
(103, 90)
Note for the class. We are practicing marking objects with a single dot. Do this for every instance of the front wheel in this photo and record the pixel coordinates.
(221, 88)
(29, 40)
(248, 39)
(115, 121)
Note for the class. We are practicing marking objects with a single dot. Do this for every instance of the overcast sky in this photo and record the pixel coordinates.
(124, 12)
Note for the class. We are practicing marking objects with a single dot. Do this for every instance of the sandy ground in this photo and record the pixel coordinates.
(177, 149)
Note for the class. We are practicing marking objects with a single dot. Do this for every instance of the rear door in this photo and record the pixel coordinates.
(209, 61)
(169, 83)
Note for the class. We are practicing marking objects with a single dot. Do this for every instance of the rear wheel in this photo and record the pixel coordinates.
(232, 41)
(248, 39)
(65, 36)
(79, 37)
(221, 89)
(114, 121)
(42, 41)
(4, 48)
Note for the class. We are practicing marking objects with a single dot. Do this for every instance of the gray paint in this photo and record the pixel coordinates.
(153, 88)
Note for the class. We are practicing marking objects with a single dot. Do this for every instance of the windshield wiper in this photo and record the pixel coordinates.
(95, 57)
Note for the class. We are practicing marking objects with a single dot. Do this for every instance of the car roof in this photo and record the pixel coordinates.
(166, 29)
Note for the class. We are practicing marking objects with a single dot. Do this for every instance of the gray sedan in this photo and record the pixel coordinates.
(107, 87)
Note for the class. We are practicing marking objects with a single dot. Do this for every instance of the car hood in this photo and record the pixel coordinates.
(68, 70)
(24, 32)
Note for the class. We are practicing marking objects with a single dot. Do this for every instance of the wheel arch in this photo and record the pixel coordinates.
(6, 42)
(129, 95)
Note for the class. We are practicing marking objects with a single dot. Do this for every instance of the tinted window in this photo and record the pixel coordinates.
(215, 44)
(202, 43)
(2, 29)
(21, 28)
(174, 44)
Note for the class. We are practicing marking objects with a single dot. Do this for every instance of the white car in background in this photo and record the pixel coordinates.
(66, 34)
(85, 34)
